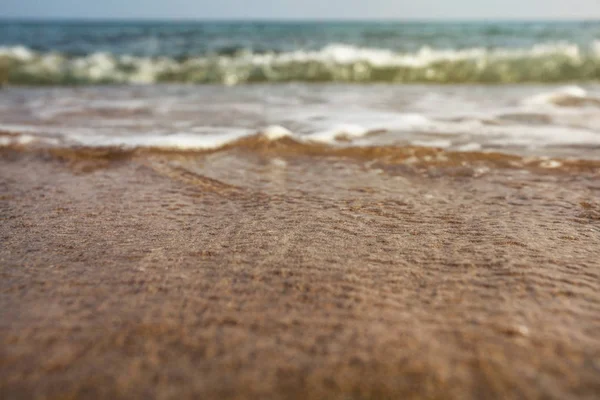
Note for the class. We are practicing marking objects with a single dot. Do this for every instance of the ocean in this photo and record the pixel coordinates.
(300, 210)
(520, 87)
(233, 53)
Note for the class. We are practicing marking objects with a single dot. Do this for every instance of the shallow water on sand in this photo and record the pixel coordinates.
(527, 120)
(300, 241)
(277, 269)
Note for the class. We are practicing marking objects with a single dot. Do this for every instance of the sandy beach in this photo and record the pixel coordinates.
(280, 271)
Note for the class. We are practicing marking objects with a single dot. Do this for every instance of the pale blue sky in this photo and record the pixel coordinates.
(302, 9)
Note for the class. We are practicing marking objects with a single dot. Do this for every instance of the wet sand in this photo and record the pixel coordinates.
(247, 274)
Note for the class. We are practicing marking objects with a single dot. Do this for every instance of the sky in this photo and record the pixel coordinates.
(301, 9)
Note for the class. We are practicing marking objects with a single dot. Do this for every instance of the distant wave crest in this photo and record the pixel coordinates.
(550, 62)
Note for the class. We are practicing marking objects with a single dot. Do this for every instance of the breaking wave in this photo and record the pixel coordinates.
(549, 62)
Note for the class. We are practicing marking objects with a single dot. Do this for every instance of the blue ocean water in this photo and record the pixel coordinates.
(70, 52)
(189, 39)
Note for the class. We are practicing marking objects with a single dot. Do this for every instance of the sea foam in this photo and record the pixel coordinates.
(544, 62)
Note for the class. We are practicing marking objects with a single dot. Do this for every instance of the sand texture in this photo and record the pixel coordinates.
(255, 274)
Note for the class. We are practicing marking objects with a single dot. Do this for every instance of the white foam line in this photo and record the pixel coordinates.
(553, 97)
(179, 141)
(100, 66)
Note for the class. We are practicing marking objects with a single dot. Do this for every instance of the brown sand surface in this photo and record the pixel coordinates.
(253, 275)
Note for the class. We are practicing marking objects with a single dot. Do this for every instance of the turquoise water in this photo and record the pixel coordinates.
(245, 52)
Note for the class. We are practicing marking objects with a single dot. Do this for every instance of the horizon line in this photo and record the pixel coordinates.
(295, 19)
